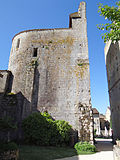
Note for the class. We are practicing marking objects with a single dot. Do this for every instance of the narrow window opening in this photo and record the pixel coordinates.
(35, 52)
(76, 17)
(18, 43)
(1, 76)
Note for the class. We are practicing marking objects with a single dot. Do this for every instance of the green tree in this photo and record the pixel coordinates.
(112, 14)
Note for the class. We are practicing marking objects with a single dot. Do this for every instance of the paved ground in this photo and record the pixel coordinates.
(105, 152)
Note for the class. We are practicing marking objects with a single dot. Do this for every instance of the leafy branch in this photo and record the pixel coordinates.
(113, 28)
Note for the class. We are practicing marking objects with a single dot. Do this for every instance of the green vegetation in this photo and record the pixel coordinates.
(41, 129)
(45, 153)
(95, 130)
(46, 47)
(85, 148)
(80, 64)
(113, 15)
(10, 93)
(110, 123)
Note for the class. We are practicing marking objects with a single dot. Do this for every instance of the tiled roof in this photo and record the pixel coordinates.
(95, 111)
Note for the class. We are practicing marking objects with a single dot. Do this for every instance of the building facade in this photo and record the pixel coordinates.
(50, 69)
(112, 55)
(96, 119)
(108, 114)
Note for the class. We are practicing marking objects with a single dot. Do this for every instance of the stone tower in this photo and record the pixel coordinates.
(51, 70)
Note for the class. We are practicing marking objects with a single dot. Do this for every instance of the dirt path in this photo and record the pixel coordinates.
(105, 152)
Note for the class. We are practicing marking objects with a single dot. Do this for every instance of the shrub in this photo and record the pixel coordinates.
(46, 115)
(41, 129)
(84, 147)
(35, 129)
(64, 130)
(11, 146)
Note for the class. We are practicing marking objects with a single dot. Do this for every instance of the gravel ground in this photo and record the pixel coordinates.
(105, 152)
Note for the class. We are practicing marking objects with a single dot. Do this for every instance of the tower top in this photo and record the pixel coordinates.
(82, 10)
(80, 14)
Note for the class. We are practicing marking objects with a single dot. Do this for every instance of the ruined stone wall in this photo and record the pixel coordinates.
(51, 70)
(11, 106)
(5, 81)
(112, 53)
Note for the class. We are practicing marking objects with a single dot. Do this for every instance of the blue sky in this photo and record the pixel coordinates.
(16, 16)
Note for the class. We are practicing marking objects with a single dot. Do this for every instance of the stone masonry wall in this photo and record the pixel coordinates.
(116, 152)
(11, 106)
(51, 70)
(112, 53)
(5, 79)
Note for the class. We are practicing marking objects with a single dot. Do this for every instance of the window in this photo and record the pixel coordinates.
(1, 76)
(18, 43)
(35, 52)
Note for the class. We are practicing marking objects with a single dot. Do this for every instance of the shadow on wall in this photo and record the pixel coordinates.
(11, 106)
(35, 91)
(104, 145)
(16, 106)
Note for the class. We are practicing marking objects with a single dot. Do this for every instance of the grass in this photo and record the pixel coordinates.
(103, 138)
(85, 153)
(45, 153)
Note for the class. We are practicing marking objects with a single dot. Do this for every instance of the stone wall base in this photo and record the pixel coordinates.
(116, 152)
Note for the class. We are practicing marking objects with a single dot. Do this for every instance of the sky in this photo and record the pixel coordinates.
(16, 16)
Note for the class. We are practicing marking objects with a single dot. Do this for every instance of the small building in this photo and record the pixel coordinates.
(96, 120)
(101, 123)
(108, 114)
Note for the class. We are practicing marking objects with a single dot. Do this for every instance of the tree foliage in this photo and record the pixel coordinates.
(112, 14)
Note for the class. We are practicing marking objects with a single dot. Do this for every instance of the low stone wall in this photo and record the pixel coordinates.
(11, 108)
(116, 152)
(10, 155)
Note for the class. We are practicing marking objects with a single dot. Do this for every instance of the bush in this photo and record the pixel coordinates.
(64, 130)
(41, 129)
(84, 147)
(11, 146)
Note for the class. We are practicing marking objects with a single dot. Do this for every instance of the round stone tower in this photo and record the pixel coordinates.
(51, 70)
